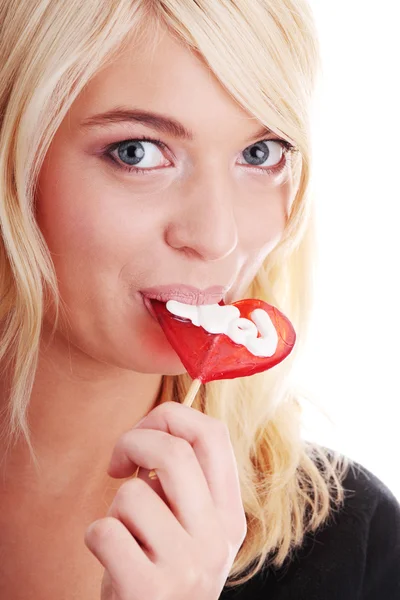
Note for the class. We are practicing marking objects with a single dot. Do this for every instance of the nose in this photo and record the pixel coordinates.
(205, 222)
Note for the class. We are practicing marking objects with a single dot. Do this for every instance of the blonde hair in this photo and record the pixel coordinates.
(265, 53)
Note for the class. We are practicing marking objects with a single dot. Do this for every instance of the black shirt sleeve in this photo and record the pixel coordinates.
(355, 555)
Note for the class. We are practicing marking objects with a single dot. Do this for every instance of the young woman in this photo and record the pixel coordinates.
(143, 144)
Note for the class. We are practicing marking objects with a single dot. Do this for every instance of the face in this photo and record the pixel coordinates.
(120, 214)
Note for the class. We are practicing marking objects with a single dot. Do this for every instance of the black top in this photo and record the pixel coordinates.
(355, 555)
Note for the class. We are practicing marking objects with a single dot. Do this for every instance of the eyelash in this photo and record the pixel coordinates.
(288, 148)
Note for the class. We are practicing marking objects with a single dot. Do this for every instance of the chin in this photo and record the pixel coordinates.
(151, 352)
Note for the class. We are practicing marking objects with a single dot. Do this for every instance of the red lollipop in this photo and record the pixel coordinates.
(210, 356)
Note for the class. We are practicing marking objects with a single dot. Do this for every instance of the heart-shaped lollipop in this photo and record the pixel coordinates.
(210, 356)
(255, 337)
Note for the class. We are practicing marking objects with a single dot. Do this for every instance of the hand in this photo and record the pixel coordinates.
(175, 537)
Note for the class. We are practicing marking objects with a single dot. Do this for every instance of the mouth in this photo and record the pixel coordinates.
(148, 305)
(186, 294)
(179, 298)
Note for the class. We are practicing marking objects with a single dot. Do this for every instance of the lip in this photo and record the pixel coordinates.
(148, 305)
(187, 294)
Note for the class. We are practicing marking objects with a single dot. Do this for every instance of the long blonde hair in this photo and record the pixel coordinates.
(265, 53)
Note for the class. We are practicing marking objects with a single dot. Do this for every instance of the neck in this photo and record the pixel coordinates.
(78, 409)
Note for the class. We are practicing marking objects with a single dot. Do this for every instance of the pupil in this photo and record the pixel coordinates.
(133, 152)
(257, 153)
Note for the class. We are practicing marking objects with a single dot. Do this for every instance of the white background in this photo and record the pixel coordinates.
(353, 361)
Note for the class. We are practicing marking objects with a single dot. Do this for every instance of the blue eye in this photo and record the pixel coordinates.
(142, 151)
(260, 152)
(136, 152)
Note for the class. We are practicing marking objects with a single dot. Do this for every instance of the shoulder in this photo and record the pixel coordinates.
(368, 503)
(355, 554)
(359, 543)
(372, 513)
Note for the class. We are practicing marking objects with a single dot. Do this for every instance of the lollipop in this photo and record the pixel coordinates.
(224, 341)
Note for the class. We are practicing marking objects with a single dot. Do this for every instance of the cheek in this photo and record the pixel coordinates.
(262, 225)
(264, 219)
(94, 238)
(87, 225)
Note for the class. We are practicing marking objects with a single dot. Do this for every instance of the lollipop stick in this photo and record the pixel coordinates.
(190, 396)
(188, 401)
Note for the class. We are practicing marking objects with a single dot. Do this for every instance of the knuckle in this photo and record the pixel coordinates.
(162, 585)
(221, 555)
(237, 528)
(122, 443)
(193, 577)
(125, 439)
(221, 429)
(131, 490)
(178, 448)
(167, 408)
(217, 433)
(241, 533)
(190, 578)
(99, 530)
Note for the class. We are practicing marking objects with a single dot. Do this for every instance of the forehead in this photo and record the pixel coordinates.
(166, 77)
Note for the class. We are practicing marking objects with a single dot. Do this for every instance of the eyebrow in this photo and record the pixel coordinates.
(160, 122)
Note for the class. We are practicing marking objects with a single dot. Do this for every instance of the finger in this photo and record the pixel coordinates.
(179, 474)
(150, 520)
(211, 443)
(121, 555)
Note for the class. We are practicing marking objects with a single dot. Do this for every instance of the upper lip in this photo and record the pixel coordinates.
(187, 294)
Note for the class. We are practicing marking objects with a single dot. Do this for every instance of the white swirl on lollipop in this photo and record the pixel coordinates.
(215, 318)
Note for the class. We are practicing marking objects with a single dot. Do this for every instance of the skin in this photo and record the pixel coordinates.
(208, 218)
